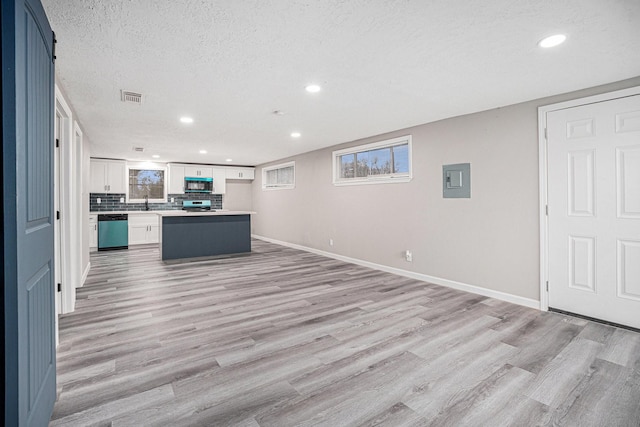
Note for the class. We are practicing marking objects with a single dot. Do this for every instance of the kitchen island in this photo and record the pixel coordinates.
(186, 235)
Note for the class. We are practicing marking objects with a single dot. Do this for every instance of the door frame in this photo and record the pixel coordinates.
(543, 174)
(67, 215)
(78, 230)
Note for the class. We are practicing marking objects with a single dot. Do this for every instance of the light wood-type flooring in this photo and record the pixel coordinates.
(283, 337)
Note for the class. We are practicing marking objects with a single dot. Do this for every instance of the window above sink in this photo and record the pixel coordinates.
(146, 182)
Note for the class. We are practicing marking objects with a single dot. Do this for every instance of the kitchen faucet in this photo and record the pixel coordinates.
(146, 202)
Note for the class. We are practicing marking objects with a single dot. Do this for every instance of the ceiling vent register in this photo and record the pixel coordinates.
(138, 149)
(131, 97)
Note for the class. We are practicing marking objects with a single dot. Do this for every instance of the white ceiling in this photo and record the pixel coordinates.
(383, 65)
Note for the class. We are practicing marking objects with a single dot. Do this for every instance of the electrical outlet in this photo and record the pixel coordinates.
(121, 199)
(98, 200)
(330, 242)
(173, 200)
(408, 255)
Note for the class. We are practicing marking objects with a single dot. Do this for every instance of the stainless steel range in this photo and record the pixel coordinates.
(197, 206)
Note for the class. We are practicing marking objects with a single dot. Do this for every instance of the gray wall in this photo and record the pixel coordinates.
(490, 240)
(238, 196)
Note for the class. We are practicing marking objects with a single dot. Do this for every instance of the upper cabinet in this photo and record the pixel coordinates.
(219, 181)
(240, 173)
(176, 179)
(108, 176)
(177, 173)
(200, 171)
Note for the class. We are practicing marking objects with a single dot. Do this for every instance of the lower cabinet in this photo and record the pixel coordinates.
(93, 232)
(143, 228)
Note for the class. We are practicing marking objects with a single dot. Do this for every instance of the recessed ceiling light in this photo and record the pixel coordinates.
(295, 134)
(186, 119)
(203, 151)
(552, 41)
(312, 88)
(229, 160)
(155, 156)
(278, 113)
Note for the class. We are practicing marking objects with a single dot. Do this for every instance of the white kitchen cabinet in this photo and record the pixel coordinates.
(108, 176)
(219, 181)
(93, 232)
(199, 171)
(240, 173)
(176, 179)
(143, 228)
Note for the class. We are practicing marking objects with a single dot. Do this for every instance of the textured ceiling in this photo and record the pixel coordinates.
(383, 65)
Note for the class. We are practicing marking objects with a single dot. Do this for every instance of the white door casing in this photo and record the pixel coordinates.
(68, 224)
(57, 235)
(593, 191)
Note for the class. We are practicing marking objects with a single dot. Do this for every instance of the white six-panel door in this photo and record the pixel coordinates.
(594, 210)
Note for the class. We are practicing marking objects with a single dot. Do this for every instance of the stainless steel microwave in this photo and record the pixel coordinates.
(198, 185)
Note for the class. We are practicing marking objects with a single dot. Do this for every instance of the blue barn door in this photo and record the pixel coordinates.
(28, 218)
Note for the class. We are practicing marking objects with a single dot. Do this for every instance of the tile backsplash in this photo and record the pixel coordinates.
(111, 202)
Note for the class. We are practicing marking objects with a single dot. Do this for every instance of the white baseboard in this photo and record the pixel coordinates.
(515, 299)
(85, 274)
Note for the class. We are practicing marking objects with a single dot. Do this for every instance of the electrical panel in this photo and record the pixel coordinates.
(456, 181)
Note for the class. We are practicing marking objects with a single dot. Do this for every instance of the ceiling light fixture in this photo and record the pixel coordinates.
(229, 160)
(155, 156)
(295, 134)
(552, 41)
(186, 119)
(203, 151)
(312, 88)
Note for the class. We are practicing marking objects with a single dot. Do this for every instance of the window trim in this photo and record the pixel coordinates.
(147, 166)
(372, 179)
(278, 187)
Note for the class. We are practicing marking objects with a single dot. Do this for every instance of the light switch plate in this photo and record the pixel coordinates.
(456, 181)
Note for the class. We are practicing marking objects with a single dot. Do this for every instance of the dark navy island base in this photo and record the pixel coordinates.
(195, 236)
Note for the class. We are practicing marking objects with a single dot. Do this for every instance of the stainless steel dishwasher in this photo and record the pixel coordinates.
(113, 232)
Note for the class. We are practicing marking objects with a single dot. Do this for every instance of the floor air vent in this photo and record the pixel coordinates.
(131, 97)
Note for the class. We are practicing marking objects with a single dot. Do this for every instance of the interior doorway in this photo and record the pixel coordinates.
(593, 207)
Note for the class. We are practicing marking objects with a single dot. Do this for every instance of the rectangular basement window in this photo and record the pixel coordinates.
(375, 163)
(279, 177)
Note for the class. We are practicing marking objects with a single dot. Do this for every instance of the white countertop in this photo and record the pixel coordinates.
(176, 212)
(203, 213)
